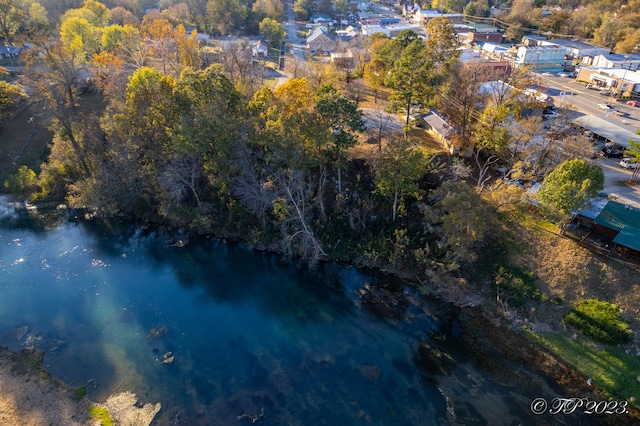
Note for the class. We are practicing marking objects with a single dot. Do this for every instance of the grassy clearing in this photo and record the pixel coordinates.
(101, 414)
(610, 367)
(599, 320)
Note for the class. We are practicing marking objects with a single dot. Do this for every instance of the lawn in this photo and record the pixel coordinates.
(611, 368)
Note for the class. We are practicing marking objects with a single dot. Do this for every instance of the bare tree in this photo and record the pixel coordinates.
(255, 190)
(181, 176)
(58, 74)
(381, 125)
(298, 236)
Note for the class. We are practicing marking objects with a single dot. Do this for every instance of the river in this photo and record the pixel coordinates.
(220, 334)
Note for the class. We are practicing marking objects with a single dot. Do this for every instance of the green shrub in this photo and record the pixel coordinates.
(79, 393)
(21, 181)
(101, 413)
(516, 286)
(599, 320)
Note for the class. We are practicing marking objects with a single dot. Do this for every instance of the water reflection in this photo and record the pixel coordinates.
(250, 338)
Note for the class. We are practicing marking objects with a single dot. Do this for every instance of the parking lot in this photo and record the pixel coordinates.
(571, 94)
(616, 182)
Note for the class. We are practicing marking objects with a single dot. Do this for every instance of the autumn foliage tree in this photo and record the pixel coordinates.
(273, 31)
(9, 94)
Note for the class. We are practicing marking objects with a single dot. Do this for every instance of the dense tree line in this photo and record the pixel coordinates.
(209, 149)
(613, 24)
(170, 141)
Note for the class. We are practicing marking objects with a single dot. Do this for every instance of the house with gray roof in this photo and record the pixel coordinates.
(10, 52)
(320, 41)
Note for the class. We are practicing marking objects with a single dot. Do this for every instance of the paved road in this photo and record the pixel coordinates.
(297, 45)
(616, 182)
(570, 93)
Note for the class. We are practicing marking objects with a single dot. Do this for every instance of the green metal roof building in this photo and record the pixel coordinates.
(624, 219)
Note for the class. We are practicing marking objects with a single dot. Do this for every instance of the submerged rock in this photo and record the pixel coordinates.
(19, 332)
(157, 332)
(168, 358)
(124, 411)
(371, 372)
(181, 243)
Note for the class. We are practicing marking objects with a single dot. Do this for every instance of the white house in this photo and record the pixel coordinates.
(617, 60)
(421, 17)
(390, 30)
(260, 49)
(577, 49)
(322, 19)
(541, 58)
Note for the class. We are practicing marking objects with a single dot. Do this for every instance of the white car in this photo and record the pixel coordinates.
(627, 163)
(604, 106)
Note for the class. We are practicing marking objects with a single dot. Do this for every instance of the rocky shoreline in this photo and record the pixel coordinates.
(29, 396)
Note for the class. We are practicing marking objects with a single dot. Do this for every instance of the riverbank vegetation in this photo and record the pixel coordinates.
(611, 368)
(147, 128)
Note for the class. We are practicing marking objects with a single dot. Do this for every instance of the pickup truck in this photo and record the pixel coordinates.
(604, 106)
(627, 163)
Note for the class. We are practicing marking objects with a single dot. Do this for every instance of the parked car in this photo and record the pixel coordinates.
(633, 103)
(612, 150)
(550, 114)
(627, 163)
(605, 92)
(566, 74)
(592, 86)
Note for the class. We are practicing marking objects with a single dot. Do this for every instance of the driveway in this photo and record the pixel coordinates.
(381, 123)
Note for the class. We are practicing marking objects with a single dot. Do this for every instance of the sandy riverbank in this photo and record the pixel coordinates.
(29, 396)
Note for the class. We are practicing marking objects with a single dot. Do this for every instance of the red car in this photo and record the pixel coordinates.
(633, 103)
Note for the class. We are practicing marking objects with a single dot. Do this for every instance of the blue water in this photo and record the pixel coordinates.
(249, 333)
